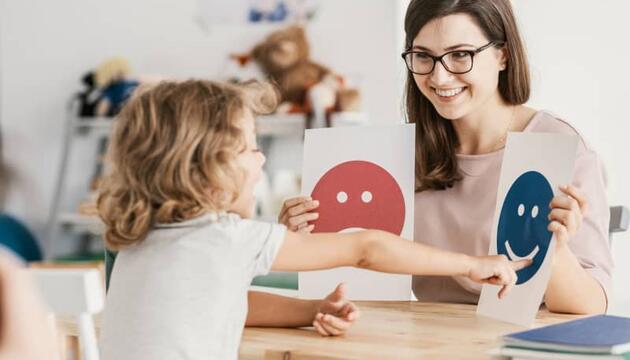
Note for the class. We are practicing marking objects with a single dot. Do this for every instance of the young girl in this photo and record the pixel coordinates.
(176, 207)
(467, 82)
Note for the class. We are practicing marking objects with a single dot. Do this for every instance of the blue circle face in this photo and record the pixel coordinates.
(522, 231)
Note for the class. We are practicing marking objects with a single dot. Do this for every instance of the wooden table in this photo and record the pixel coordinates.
(393, 330)
(386, 330)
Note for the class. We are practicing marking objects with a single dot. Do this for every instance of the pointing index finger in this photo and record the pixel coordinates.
(520, 264)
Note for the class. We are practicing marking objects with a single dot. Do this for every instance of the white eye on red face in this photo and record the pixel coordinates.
(366, 197)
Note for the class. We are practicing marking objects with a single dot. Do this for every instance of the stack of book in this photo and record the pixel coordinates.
(601, 337)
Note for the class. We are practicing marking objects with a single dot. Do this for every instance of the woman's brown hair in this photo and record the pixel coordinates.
(172, 155)
(436, 139)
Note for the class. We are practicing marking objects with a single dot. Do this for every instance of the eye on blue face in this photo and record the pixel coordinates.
(522, 231)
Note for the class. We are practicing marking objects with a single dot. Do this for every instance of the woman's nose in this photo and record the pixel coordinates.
(440, 75)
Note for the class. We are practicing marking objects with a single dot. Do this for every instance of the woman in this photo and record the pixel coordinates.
(467, 81)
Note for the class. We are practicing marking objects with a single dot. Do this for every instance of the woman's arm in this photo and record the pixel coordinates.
(571, 289)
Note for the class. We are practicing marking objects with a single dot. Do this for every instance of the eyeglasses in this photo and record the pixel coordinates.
(455, 62)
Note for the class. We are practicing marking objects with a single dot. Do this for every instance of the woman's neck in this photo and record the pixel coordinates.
(485, 131)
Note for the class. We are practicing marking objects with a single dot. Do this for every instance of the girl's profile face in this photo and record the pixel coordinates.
(251, 160)
(457, 96)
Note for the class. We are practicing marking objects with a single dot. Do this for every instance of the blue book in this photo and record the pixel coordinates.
(516, 353)
(601, 334)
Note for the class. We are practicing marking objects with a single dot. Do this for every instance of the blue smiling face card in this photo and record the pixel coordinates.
(534, 165)
(522, 231)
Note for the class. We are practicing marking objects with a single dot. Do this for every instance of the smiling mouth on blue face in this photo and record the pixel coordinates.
(512, 255)
(522, 230)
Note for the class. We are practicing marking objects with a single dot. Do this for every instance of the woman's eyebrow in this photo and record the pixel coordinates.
(453, 47)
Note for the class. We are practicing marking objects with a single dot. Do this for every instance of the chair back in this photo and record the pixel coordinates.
(76, 293)
(619, 220)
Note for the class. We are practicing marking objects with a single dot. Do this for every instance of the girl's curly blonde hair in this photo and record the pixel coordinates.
(172, 155)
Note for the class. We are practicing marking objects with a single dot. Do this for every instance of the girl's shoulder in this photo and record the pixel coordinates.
(548, 122)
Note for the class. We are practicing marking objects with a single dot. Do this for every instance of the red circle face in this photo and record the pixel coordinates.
(358, 194)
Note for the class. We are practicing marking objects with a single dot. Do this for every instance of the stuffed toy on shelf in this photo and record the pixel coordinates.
(106, 89)
(305, 86)
(89, 97)
(112, 76)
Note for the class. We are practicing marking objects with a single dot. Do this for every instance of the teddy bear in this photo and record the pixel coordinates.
(304, 85)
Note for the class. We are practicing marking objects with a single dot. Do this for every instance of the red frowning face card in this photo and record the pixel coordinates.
(358, 195)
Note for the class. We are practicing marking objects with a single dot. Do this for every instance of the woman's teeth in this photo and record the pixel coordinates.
(448, 92)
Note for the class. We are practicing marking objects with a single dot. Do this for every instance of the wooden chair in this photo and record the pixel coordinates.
(75, 293)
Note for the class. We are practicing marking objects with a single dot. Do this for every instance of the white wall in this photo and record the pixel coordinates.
(47, 45)
(580, 62)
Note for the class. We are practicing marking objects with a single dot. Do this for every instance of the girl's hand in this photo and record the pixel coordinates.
(336, 313)
(496, 270)
(295, 213)
(567, 213)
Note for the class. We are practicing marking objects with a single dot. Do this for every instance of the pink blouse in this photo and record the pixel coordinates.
(460, 218)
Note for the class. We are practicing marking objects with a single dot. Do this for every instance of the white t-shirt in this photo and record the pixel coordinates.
(182, 292)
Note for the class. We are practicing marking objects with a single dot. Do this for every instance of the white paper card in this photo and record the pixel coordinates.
(363, 177)
(534, 165)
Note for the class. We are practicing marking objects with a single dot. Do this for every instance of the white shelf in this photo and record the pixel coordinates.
(280, 125)
(98, 125)
(81, 223)
(101, 122)
(267, 125)
(288, 126)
